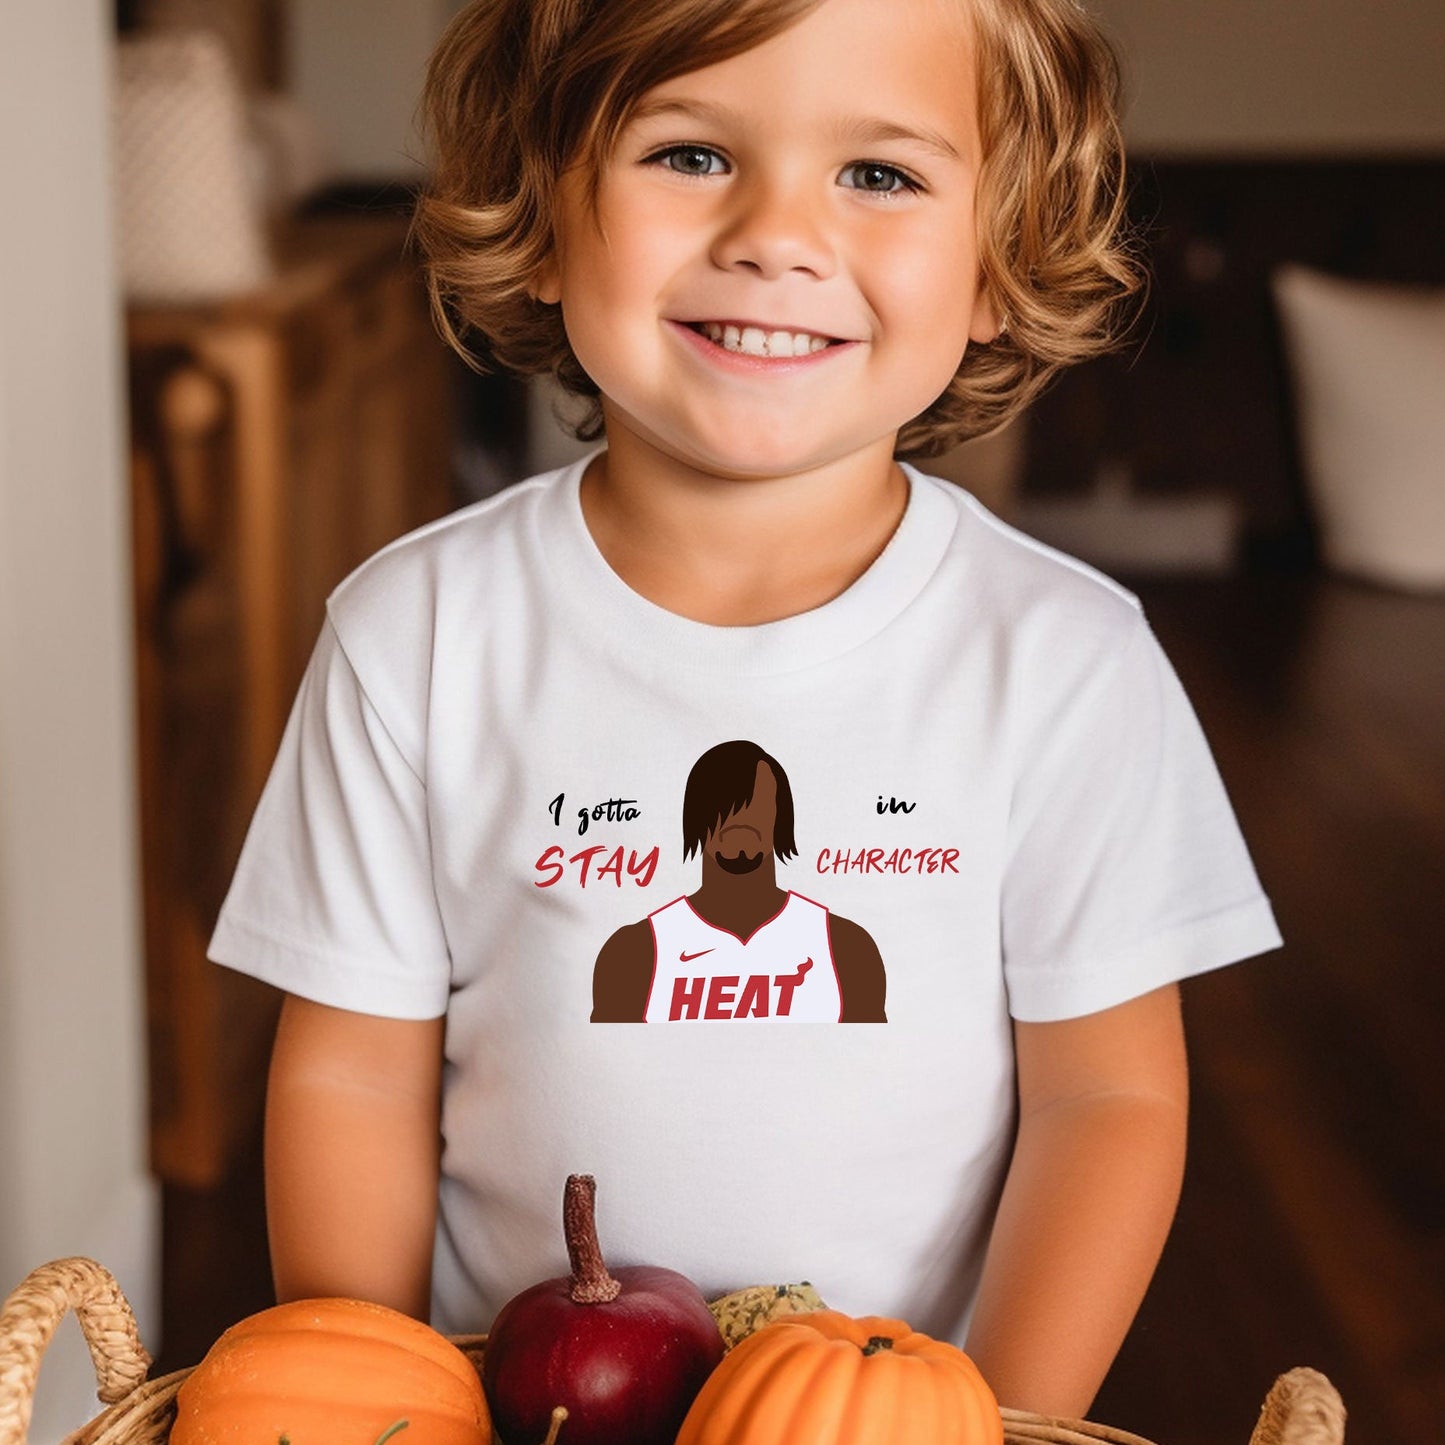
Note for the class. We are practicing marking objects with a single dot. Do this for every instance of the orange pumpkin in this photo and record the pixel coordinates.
(826, 1378)
(332, 1372)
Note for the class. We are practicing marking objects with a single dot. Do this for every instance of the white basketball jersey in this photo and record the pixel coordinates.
(783, 971)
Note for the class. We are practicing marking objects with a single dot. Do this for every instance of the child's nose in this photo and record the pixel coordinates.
(772, 230)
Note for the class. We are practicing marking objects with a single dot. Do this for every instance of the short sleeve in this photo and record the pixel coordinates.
(333, 898)
(1126, 868)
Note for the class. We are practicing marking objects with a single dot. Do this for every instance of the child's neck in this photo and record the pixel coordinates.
(739, 552)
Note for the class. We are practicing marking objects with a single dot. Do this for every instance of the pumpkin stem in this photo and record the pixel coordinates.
(391, 1430)
(876, 1343)
(591, 1284)
(559, 1414)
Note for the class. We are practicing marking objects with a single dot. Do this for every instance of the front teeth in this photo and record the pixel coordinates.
(754, 341)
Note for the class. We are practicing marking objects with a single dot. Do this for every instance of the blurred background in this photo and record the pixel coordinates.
(220, 390)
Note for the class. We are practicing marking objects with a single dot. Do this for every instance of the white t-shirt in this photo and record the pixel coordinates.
(994, 775)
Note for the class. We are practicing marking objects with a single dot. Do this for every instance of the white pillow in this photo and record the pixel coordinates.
(1368, 367)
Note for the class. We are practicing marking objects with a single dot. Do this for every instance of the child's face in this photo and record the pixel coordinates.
(820, 185)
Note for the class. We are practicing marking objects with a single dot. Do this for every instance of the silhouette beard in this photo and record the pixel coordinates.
(743, 863)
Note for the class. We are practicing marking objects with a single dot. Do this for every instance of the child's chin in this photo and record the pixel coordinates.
(766, 457)
(744, 444)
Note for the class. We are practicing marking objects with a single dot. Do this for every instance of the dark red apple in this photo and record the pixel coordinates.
(624, 1354)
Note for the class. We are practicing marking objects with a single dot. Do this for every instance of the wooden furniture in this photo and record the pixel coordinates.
(278, 439)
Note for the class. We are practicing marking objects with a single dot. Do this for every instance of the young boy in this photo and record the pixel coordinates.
(608, 803)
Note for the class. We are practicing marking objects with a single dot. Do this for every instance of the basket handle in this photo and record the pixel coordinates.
(29, 1318)
(1302, 1408)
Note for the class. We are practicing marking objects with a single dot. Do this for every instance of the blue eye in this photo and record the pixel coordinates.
(878, 179)
(690, 160)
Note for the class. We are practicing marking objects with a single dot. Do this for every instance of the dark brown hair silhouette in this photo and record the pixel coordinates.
(722, 781)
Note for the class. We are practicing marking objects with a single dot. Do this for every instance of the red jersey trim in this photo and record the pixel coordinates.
(652, 982)
(838, 982)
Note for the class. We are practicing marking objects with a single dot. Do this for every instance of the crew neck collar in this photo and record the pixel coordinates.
(602, 599)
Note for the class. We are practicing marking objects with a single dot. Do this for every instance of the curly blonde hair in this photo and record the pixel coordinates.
(518, 90)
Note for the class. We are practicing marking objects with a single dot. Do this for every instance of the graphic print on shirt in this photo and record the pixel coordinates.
(740, 947)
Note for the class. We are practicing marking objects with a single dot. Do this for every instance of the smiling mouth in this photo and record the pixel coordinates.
(756, 341)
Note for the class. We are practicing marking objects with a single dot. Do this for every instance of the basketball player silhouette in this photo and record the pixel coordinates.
(740, 947)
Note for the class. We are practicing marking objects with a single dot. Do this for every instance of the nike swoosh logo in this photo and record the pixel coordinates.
(688, 957)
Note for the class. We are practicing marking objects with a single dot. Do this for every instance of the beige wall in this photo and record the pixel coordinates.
(73, 1176)
(356, 66)
(1286, 76)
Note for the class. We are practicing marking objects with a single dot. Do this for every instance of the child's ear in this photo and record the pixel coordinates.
(546, 284)
(987, 323)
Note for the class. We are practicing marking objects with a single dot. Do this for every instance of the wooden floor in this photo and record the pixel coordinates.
(1312, 1229)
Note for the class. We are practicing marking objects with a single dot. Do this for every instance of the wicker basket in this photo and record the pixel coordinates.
(1303, 1408)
